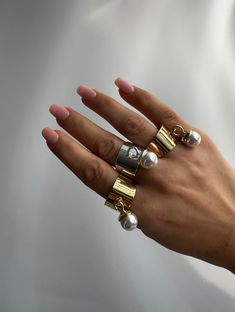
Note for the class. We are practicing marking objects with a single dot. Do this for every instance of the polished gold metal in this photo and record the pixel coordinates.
(152, 147)
(122, 194)
(177, 132)
(163, 143)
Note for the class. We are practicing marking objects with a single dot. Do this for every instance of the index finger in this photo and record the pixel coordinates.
(155, 110)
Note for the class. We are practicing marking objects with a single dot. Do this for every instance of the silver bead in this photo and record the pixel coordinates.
(191, 138)
(148, 159)
(128, 220)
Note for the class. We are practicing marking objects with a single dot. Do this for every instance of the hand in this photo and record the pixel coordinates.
(186, 203)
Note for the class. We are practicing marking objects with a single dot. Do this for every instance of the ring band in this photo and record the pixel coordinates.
(131, 156)
(128, 159)
(165, 141)
(120, 198)
(162, 143)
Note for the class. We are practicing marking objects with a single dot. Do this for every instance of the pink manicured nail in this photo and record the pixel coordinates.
(86, 92)
(60, 112)
(50, 135)
(124, 85)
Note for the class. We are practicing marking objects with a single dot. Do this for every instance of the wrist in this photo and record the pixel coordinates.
(231, 209)
(226, 251)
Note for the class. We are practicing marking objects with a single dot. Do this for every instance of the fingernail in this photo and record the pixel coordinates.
(59, 111)
(50, 135)
(86, 92)
(124, 85)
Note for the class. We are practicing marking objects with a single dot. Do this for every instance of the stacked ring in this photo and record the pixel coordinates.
(130, 157)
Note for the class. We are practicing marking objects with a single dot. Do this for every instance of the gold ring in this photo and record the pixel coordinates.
(120, 198)
(162, 143)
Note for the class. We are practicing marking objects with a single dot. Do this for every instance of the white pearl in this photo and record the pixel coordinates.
(128, 221)
(148, 159)
(192, 138)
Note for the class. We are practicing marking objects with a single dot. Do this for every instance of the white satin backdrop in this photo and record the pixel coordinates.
(61, 249)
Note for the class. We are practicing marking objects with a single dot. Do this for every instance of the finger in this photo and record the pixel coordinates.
(90, 169)
(155, 110)
(133, 126)
(99, 141)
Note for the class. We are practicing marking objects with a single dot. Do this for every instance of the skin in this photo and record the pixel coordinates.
(185, 203)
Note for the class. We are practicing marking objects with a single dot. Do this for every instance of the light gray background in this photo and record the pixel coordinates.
(61, 249)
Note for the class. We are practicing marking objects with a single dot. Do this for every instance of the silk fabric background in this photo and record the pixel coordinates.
(61, 249)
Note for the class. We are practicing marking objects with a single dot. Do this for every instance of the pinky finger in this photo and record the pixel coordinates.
(90, 169)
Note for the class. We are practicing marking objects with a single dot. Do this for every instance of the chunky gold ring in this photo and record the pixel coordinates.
(120, 198)
(162, 143)
(165, 141)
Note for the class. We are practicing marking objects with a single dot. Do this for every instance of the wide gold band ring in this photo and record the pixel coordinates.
(165, 141)
(120, 198)
(162, 143)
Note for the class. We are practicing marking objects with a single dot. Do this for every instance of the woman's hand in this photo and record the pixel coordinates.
(186, 203)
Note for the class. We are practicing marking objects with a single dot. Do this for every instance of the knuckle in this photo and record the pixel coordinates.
(93, 173)
(106, 148)
(146, 98)
(133, 126)
(169, 116)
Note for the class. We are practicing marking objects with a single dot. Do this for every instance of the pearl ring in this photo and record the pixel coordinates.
(131, 156)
